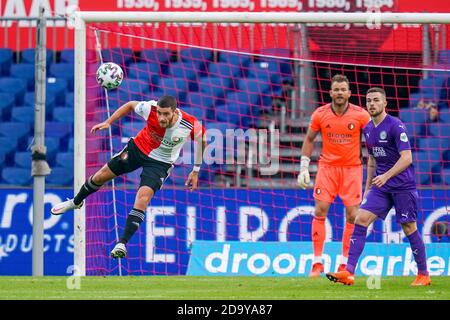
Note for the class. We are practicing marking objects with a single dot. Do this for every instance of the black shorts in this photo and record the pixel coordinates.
(154, 172)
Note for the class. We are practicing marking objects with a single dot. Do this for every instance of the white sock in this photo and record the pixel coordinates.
(344, 260)
(317, 259)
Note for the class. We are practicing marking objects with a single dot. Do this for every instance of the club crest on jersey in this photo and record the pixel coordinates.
(318, 191)
(383, 135)
(351, 126)
(403, 137)
(176, 139)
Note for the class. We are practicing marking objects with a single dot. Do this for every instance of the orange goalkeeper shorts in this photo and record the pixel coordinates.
(343, 181)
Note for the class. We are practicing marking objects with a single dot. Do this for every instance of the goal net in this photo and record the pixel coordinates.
(254, 86)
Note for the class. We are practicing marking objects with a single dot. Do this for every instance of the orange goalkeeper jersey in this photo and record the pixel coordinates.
(341, 134)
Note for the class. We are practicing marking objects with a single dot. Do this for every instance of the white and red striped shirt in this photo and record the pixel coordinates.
(164, 144)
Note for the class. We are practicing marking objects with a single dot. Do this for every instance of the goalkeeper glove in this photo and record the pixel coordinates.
(303, 178)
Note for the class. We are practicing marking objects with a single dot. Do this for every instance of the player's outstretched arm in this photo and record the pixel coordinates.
(192, 180)
(119, 113)
(303, 178)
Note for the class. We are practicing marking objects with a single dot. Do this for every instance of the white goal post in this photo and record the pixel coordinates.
(80, 18)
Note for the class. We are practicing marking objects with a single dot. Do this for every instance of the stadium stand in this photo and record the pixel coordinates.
(244, 86)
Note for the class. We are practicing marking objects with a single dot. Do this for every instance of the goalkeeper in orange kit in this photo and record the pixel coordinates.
(340, 167)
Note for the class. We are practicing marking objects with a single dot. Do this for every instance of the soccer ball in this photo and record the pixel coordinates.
(109, 75)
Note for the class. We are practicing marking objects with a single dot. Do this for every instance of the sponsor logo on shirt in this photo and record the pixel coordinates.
(378, 152)
(403, 137)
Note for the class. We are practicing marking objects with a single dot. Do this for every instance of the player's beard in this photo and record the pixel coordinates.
(167, 123)
(376, 113)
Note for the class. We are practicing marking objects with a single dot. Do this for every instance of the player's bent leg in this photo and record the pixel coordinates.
(134, 220)
(350, 215)
(419, 253)
(92, 184)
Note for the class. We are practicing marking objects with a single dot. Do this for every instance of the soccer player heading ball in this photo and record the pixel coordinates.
(155, 148)
(340, 166)
(390, 183)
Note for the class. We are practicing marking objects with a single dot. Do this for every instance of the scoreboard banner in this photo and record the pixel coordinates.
(176, 219)
(396, 38)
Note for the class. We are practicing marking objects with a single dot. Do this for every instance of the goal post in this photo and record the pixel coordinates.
(82, 19)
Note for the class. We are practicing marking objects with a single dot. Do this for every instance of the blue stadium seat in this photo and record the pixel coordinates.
(64, 159)
(236, 112)
(23, 114)
(176, 87)
(283, 66)
(63, 114)
(60, 130)
(137, 89)
(24, 71)
(70, 100)
(439, 130)
(414, 98)
(224, 69)
(427, 165)
(117, 98)
(60, 177)
(197, 112)
(63, 71)
(14, 86)
(156, 55)
(414, 130)
(70, 145)
(253, 101)
(435, 143)
(22, 159)
(67, 56)
(266, 71)
(121, 56)
(446, 176)
(2, 159)
(8, 146)
(414, 115)
(431, 86)
(200, 100)
(215, 88)
(149, 73)
(261, 88)
(50, 101)
(444, 57)
(201, 57)
(240, 60)
(17, 176)
(7, 102)
(6, 59)
(15, 130)
(28, 56)
(58, 87)
(187, 71)
(131, 129)
(444, 116)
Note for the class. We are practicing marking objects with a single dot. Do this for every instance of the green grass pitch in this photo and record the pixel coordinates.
(215, 288)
